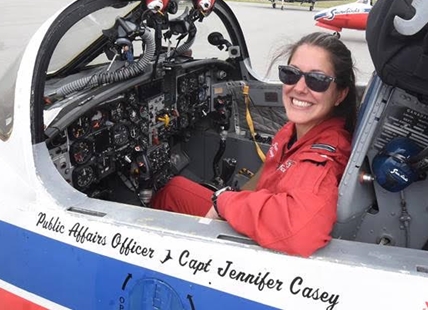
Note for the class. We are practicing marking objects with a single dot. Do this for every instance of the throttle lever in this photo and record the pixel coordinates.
(227, 169)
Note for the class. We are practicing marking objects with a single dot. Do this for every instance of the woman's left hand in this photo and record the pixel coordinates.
(212, 214)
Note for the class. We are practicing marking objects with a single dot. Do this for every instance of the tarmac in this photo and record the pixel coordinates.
(264, 28)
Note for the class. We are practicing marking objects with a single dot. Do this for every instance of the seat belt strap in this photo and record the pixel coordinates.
(250, 123)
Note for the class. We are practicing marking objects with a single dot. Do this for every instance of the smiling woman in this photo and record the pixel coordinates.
(290, 205)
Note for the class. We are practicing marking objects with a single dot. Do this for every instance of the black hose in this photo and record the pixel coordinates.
(189, 42)
(217, 157)
(121, 74)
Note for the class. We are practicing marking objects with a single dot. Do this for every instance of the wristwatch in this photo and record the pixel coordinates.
(218, 193)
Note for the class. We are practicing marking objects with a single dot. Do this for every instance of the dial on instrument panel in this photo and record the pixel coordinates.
(201, 78)
(117, 112)
(83, 176)
(59, 139)
(120, 134)
(202, 94)
(80, 127)
(184, 121)
(98, 119)
(134, 131)
(144, 113)
(81, 151)
(183, 86)
(133, 115)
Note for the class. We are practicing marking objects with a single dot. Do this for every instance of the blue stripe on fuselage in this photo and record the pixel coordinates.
(79, 279)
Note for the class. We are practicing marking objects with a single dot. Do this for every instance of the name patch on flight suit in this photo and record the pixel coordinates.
(325, 147)
(284, 167)
(273, 149)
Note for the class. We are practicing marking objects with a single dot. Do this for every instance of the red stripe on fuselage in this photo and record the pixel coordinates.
(14, 302)
(351, 21)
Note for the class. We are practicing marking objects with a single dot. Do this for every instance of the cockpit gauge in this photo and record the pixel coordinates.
(144, 127)
(120, 134)
(184, 121)
(144, 113)
(182, 104)
(134, 131)
(193, 83)
(59, 139)
(98, 119)
(132, 98)
(80, 127)
(183, 86)
(81, 151)
(202, 94)
(117, 112)
(201, 78)
(133, 115)
(83, 176)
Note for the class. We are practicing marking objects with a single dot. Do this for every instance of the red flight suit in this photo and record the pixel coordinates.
(293, 208)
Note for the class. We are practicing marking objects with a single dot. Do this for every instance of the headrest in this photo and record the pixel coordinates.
(397, 38)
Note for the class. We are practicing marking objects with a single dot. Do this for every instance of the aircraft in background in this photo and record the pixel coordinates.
(348, 16)
(311, 2)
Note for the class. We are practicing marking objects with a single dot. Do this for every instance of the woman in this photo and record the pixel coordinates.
(290, 204)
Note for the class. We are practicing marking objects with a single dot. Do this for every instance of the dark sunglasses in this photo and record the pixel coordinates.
(316, 81)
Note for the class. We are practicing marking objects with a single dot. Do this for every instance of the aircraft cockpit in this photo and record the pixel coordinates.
(121, 117)
(111, 99)
(148, 94)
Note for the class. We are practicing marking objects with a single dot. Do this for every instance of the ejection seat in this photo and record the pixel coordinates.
(383, 192)
(367, 212)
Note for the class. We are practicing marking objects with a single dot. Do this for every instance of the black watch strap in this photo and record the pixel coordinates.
(215, 205)
(215, 196)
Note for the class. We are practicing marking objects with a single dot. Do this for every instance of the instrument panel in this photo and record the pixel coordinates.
(130, 135)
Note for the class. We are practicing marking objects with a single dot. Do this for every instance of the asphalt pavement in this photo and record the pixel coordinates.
(19, 20)
(265, 30)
